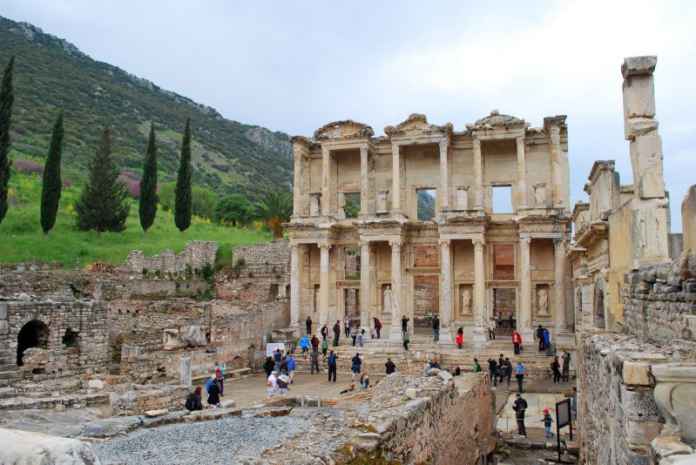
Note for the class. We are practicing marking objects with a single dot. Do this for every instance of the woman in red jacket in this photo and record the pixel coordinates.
(516, 341)
(459, 338)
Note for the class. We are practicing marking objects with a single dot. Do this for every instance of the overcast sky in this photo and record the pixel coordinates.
(294, 66)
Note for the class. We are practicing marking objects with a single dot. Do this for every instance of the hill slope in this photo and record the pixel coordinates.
(51, 73)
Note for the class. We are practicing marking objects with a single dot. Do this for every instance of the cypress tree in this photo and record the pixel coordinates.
(6, 101)
(52, 184)
(182, 201)
(103, 204)
(148, 184)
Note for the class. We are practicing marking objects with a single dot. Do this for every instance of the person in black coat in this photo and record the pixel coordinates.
(268, 366)
(390, 367)
(193, 400)
(308, 325)
(520, 407)
(214, 394)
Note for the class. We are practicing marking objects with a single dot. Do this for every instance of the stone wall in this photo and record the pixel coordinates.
(195, 257)
(689, 219)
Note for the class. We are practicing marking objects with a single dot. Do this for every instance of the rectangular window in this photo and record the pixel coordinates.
(502, 199)
(426, 204)
(351, 206)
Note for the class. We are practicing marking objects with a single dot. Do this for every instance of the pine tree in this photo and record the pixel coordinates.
(52, 184)
(182, 201)
(103, 204)
(6, 101)
(148, 184)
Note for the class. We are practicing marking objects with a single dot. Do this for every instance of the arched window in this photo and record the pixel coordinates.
(32, 334)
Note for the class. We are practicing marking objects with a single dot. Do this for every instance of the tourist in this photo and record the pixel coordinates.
(364, 381)
(407, 340)
(314, 361)
(268, 366)
(547, 342)
(477, 366)
(277, 357)
(193, 400)
(457, 371)
(354, 334)
(459, 338)
(337, 333)
(291, 365)
(520, 406)
(556, 370)
(520, 371)
(501, 368)
(315, 343)
(283, 366)
(308, 324)
(540, 337)
(324, 333)
(214, 393)
(331, 362)
(346, 325)
(566, 367)
(220, 378)
(356, 365)
(389, 366)
(491, 329)
(378, 327)
(304, 345)
(283, 382)
(507, 371)
(436, 328)
(361, 338)
(516, 341)
(404, 324)
(272, 384)
(433, 363)
(324, 348)
(548, 421)
(493, 371)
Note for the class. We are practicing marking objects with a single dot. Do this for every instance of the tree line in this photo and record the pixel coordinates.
(103, 203)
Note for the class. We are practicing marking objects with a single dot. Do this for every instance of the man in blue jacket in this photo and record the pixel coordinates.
(331, 363)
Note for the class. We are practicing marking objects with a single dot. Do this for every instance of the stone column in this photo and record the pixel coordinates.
(295, 286)
(479, 293)
(396, 180)
(364, 182)
(298, 205)
(524, 319)
(325, 181)
(185, 371)
(478, 175)
(559, 285)
(395, 330)
(365, 286)
(521, 173)
(324, 284)
(556, 168)
(445, 291)
(444, 175)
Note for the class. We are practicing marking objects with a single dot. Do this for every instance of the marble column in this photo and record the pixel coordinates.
(298, 198)
(559, 285)
(395, 330)
(396, 180)
(521, 173)
(445, 291)
(524, 319)
(556, 169)
(324, 284)
(444, 175)
(295, 286)
(480, 322)
(364, 182)
(478, 175)
(365, 286)
(325, 181)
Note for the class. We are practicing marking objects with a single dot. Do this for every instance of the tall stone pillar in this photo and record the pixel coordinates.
(325, 181)
(324, 270)
(185, 371)
(521, 173)
(445, 291)
(559, 285)
(524, 320)
(299, 203)
(295, 286)
(364, 182)
(395, 330)
(479, 293)
(444, 175)
(396, 180)
(478, 175)
(365, 286)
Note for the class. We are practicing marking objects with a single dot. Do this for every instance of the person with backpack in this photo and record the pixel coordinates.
(332, 362)
(378, 327)
(304, 345)
(548, 422)
(539, 333)
(520, 407)
(520, 371)
(193, 400)
(459, 338)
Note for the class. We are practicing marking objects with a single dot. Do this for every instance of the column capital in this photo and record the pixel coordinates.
(364, 148)
(443, 143)
(519, 139)
(477, 143)
(324, 245)
(526, 240)
(478, 241)
(444, 242)
(395, 243)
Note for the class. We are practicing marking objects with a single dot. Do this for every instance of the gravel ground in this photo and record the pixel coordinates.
(224, 441)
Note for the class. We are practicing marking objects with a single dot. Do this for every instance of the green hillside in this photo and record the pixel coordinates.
(51, 73)
(21, 239)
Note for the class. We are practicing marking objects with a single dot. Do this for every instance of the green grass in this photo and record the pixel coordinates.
(21, 238)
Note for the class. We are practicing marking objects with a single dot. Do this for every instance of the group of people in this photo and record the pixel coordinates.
(520, 407)
(560, 368)
(501, 370)
(350, 330)
(214, 387)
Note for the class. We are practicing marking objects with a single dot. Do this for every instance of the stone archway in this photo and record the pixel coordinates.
(33, 334)
(598, 306)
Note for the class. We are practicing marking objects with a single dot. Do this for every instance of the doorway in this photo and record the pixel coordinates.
(426, 302)
(351, 304)
(32, 334)
(504, 306)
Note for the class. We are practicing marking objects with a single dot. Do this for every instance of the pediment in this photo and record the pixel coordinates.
(346, 129)
(416, 124)
(497, 120)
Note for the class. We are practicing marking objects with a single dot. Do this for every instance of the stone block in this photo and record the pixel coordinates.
(636, 374)
(642, 432)
(156, 413)
(95, 384)
(646, 158)
(23, 447)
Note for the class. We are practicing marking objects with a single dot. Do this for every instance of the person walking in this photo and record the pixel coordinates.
(324, 348)
(404, 324)
(508, 371)
(547, 342)
(331, 362)
(459, 338)
(272, 384)
(268, 366)
(540, 337)
(516, 341)
(356, 365)
(354, 334)
(407, 340)
(566, 367)
(314, 361)
(389, 366)
(193, 400)
(378, 327)
(501, 368)
(220, 378)
(520, 371)
(337, 333)
(291, 364)
(361, 338)
(556, 369)
(346, 325)
(304, 345)
(477, 366)
(324, 332)
(520, 407)
(493, 371)
(308, 324)
(548, 421)
(214, 394)
(315, 343)
(277, 357)
(436, 328)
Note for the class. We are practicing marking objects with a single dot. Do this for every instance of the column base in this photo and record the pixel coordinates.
(479, 336)
(445, 337)
(527, 336)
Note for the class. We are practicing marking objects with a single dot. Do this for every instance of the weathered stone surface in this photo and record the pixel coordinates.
(25, 448)
(636, 373)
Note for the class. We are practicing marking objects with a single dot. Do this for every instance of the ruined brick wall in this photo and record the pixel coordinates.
(195, 257)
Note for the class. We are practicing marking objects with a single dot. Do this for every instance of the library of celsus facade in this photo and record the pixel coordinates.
(470, 224)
